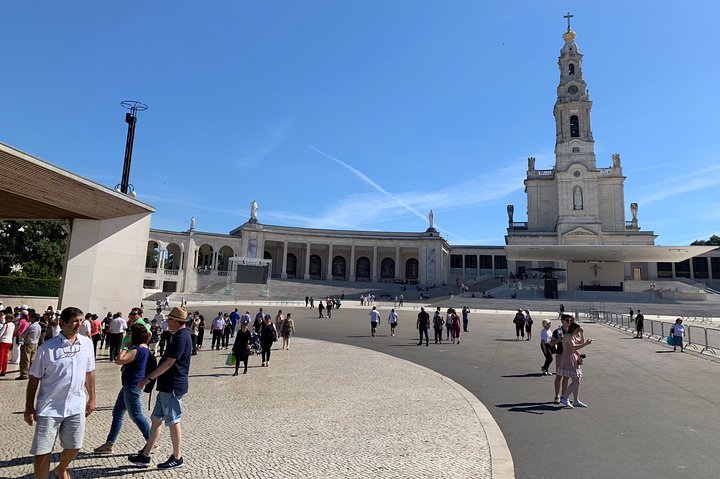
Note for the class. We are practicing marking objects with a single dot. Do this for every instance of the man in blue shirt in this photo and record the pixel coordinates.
(234, 316)
(172, 384)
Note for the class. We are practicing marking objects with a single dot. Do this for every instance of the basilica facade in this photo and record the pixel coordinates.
(576, 226)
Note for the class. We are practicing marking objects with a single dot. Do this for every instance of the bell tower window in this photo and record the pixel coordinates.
(574, 127)
(571, 69)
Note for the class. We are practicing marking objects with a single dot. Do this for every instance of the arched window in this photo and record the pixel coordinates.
(362, 268)
(152, 258)
(387, 268)
(571, 69)
(338, 267)
(315, 266)
(574, 126)
(291, 265)
(411, 269)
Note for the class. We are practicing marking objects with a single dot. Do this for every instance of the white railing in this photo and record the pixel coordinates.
(151, 270)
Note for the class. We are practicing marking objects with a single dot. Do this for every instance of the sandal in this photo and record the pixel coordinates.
(104, 449)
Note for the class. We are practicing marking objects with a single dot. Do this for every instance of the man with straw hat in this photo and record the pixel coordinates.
(172, 384)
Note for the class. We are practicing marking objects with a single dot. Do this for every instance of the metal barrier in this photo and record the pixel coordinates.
(699, 338)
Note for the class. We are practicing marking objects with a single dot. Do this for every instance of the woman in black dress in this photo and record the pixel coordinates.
(200, 331)
(268, 335)
(241, 347)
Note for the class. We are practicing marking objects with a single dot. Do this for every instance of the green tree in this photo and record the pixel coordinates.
(713, 241)
(34, 249)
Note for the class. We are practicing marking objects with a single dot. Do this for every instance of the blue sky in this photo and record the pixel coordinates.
(360, 114)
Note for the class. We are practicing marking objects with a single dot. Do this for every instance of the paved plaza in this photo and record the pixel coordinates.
(652, 413)
(322, 410)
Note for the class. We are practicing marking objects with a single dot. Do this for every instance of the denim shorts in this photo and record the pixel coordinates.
(71, 430)
(168, 407)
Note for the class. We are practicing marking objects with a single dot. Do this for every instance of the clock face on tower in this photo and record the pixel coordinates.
(572, 89)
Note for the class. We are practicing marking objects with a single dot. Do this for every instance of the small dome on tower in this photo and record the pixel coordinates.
(569, 36)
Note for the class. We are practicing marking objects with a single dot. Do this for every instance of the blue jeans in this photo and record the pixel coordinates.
(128, 400)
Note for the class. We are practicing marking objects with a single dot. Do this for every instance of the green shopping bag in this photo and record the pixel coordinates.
(230, 360)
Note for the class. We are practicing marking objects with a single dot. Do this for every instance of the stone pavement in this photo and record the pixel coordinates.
(652, 413)
(322, 410)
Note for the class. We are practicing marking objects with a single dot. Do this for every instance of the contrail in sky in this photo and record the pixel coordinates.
(379, 188)
(370, 182)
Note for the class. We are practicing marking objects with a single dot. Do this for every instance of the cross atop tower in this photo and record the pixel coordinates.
(568, 16)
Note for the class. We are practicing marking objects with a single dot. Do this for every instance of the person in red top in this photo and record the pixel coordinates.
(95, 332)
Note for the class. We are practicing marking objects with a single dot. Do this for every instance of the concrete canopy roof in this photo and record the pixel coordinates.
(32, 189)
(605, 253)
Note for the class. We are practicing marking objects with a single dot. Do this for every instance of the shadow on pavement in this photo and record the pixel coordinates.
(531, 407)
(526, 375)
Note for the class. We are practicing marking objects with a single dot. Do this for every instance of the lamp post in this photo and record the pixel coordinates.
(130, 119)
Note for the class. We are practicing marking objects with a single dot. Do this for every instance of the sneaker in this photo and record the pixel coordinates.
(140, 459)
(566, 403)
(579, 404)
(171, 463)
(556, 400)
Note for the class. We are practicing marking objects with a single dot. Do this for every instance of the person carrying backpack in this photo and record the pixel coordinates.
(134, 360)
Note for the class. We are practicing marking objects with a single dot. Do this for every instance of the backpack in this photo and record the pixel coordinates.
(149, 368)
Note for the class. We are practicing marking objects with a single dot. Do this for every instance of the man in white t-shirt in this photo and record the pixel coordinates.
(374, 320)
(392, 321)
(63, 370)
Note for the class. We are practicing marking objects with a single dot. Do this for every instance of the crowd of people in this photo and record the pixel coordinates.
(57, 353)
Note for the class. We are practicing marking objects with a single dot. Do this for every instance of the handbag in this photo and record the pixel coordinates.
(230, 360)
(669, 340)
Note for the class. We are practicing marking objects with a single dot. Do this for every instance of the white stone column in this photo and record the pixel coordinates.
(492, 265)
(283, 273)
(329, 276)
(397, 262)
(352, 263)
(307, 262)
(161, 261)
(692, 269)
(374, 268)
(214, 260)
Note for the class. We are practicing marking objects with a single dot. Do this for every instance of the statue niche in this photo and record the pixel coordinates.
(577, 198)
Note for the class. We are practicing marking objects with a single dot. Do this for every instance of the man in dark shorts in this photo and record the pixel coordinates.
(172, 384)
(423, 322)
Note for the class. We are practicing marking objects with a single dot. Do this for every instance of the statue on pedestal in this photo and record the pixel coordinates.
(616, 160)
(510, 212)
(633, 211)
(253, 211)
(531, 163)
(192, 224)
(431, 219)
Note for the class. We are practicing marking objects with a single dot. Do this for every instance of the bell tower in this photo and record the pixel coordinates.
(574, 141)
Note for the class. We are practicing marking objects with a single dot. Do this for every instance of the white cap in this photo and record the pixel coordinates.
(24, 307)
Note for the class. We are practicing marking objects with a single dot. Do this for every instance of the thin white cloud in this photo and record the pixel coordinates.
(276, 138)
(370, 182)
(360, 210)
(679, 185)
